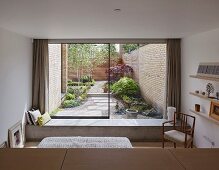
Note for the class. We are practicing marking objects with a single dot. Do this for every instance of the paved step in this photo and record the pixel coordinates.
(99, 94)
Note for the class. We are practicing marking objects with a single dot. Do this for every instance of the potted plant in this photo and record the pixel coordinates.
(105, 88)
(131, 113)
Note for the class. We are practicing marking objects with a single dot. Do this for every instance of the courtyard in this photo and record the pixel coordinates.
(98, 104)
(112, 87)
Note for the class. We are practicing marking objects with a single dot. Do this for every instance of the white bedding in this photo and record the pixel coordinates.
(85, 142)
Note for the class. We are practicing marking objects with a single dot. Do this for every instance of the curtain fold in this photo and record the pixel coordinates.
(174, 73)
(40, 75)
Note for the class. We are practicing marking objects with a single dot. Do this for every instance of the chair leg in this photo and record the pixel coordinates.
(192, 144)
(185, 145)
(163, 142)
(174, 144)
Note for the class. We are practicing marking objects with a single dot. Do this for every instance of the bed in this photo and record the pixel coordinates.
(85, 142)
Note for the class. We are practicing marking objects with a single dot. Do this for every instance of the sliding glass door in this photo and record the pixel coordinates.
(107, 81)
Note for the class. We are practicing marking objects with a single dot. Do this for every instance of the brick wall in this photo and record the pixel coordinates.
(149, 64)
(64, 67)
(54, 76)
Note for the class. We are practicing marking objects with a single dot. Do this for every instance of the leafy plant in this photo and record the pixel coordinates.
(83, 96)
(70, 103)
(83, 89)
(119, 71)
(141, 108)
(130, 47)
(73, 83)
(69, 96)
(90, 83)
(86, 78)
(126, 99)
(125, 86)
(70, 90)
(69, 83)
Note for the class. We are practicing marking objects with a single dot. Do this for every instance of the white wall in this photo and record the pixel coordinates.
(15, 79)
(198, 48)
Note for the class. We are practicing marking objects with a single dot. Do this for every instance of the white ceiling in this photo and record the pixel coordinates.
(95, 18)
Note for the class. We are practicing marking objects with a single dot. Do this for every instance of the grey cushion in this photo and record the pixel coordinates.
(177, 136)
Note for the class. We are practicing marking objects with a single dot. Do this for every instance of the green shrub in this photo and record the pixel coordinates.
(130, 47)
(83, 96)
(84, 89)
(81, 83)
(69, 83)
(140, 108)
(86, 79)
(70, 103)
(125, 86)
(74, 83)
(126, 99)
(90, 83)
(70, 90)
(69, 96)
(77, 92)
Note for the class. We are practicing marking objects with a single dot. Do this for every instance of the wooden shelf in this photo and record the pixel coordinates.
(204, 115)
(205, 78)
(203, 97)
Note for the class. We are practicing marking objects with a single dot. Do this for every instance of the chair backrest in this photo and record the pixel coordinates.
(182, 124)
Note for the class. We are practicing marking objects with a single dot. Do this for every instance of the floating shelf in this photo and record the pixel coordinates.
(203, 97)
(205, 78)
(204, 115)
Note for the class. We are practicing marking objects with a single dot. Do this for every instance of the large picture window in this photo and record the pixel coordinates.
(111, 81)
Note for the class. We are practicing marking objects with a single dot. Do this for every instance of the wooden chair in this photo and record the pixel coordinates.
(182, 133)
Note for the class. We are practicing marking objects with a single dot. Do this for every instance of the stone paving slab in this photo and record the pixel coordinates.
(97, 104)
(94, 106)
(98, 87)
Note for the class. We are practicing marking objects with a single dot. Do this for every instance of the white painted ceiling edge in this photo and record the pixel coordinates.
(95, 19)
(106, 41)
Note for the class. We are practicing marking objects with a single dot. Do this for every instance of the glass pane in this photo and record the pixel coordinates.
(87, 74)
(138, 81)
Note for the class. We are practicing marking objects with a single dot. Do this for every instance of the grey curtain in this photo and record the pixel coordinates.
(40, 74)
(174, 73)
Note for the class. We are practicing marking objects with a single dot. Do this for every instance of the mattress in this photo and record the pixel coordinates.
(85, 142)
